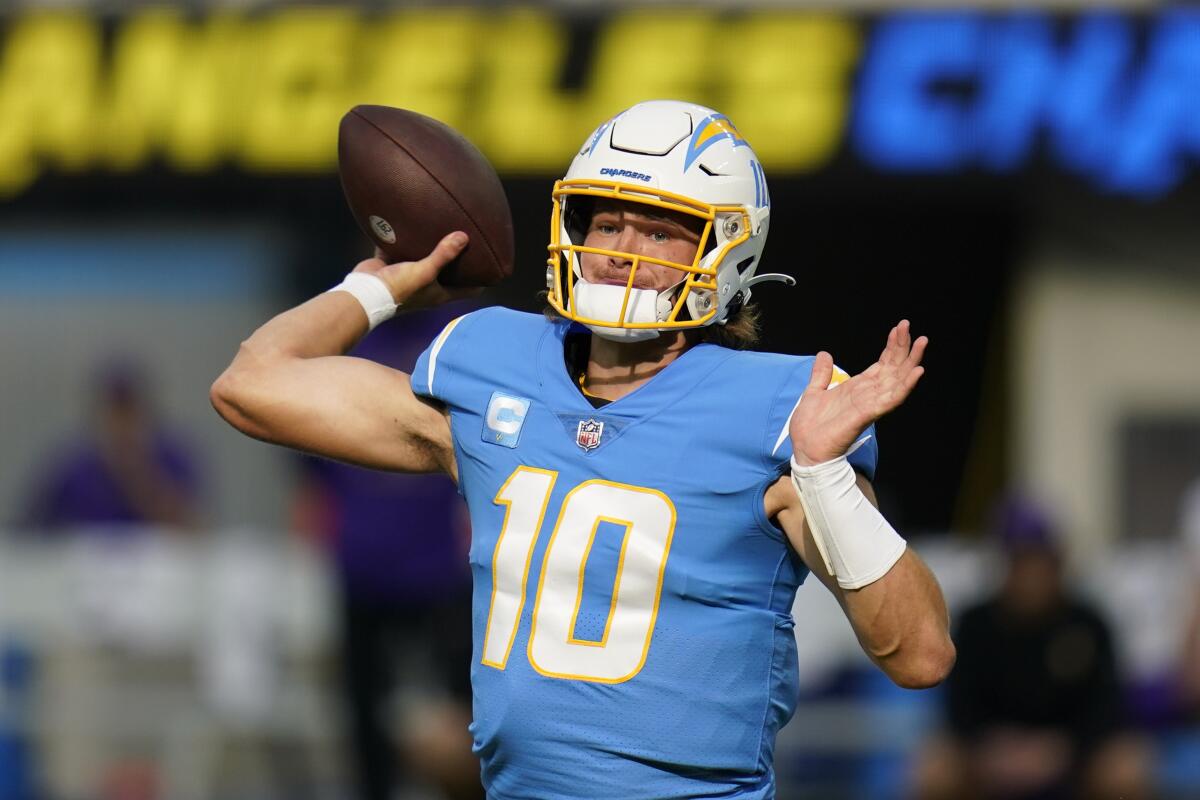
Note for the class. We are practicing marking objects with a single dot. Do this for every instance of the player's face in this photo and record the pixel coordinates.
(635, 229)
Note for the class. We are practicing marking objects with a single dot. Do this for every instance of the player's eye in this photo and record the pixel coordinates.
(607, 229)
(660, 237)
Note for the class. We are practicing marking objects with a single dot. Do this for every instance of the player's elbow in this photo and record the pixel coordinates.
(232, 393)
(927, 664)
(223, 394)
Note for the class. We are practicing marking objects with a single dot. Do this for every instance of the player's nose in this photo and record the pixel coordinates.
(620, 261)
(626, 247)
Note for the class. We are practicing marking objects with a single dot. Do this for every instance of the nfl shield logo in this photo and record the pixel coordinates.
(588, 434)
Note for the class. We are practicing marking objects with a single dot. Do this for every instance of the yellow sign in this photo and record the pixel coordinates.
(266, 92)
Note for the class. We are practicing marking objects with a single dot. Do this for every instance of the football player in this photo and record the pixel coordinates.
(644, 500)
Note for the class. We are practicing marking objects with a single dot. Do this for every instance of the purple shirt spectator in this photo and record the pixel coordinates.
(81, 487)
(124, 471)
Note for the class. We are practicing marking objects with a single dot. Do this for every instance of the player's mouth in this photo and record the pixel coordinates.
(614, 280)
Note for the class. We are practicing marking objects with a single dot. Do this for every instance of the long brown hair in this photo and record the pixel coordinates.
(742, 331)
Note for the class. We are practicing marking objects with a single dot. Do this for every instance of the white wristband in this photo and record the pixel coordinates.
(372, 294)
(856, 542)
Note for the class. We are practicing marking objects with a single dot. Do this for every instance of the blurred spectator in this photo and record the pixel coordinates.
(126, 470)
(399, 546)
(1033, 705)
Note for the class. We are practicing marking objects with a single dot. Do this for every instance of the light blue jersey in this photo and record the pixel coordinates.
(632, 634)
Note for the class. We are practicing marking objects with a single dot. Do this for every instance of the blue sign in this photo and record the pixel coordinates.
(942, 92)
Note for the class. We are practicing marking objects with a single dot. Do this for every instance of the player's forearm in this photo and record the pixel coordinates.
(902, 623)
(891, 598)
(329, 324)
(267, 365)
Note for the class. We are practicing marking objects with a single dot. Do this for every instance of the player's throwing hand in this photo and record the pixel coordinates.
(414, 284)
(829, 419)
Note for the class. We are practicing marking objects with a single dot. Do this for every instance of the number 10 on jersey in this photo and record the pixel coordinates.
(648, 519)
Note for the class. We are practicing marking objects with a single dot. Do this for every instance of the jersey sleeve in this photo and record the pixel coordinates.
(434, 372)
(864, 453)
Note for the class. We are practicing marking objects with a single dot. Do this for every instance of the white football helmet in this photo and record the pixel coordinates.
(667, 155)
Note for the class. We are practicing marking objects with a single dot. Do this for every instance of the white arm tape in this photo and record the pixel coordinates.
(372, 294)
(856, 542)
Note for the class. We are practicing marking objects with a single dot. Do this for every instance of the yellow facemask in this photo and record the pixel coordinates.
(699, 285)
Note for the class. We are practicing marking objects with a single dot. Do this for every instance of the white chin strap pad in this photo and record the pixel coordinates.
(603, 301)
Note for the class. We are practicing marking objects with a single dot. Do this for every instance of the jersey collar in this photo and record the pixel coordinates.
(676, 381)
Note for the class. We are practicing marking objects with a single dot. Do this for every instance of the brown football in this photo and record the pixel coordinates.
(410, 180)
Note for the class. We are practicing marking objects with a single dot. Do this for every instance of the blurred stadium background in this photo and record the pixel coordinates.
(1023, 185)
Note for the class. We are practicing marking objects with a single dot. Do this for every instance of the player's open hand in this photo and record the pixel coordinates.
(830, 418)
(414, 284)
